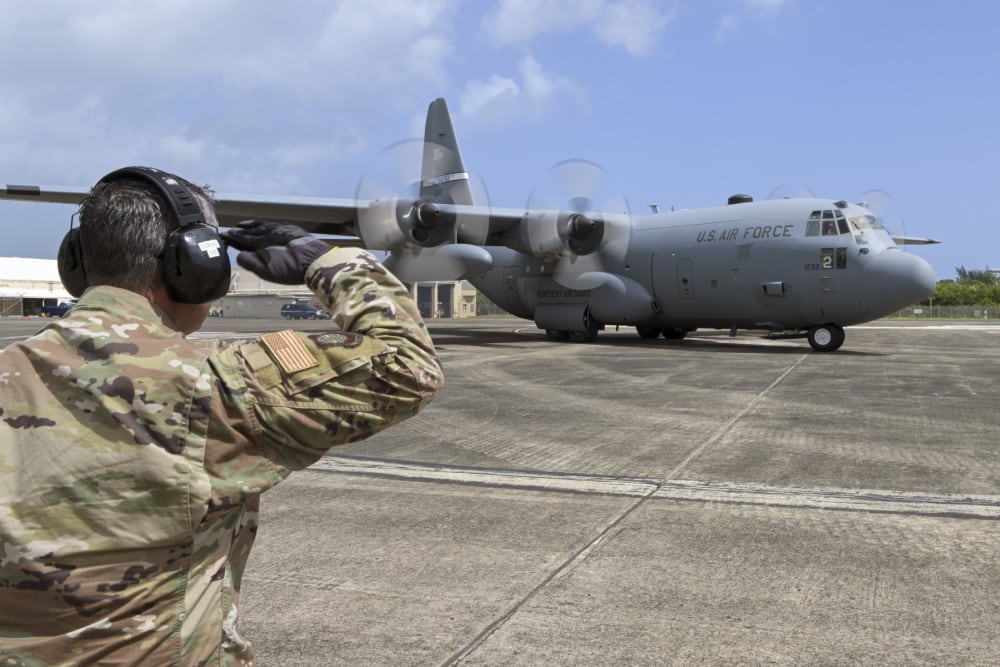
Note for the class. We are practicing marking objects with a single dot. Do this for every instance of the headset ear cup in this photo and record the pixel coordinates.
(196, 265)
(70, 263)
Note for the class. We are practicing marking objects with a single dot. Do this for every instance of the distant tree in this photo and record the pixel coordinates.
(973, 276)
(972, 288)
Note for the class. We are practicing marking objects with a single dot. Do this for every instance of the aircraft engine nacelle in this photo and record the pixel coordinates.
(621, 300)
(563, 317)
(388, 224)
(546, 233)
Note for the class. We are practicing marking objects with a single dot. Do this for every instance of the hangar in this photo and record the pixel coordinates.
(28, 284)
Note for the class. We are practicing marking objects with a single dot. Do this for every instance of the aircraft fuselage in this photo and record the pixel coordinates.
(781, 265)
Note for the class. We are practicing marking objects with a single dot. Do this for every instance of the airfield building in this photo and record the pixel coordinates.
(29, 285)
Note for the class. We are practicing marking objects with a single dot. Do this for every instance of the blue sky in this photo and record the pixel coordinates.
(681, 102)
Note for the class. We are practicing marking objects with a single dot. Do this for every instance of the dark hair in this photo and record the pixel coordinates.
(124, 225)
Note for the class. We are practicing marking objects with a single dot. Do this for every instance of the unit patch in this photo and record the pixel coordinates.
(337, 339)
(288, 351)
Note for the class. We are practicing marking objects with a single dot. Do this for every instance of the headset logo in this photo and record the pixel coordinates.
(210, 248)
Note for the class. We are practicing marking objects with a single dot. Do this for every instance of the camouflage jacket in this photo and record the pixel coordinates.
(132, 460)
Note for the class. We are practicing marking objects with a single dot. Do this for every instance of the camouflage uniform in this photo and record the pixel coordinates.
(132, 460)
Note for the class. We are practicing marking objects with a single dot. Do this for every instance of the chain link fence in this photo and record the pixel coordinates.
(948, 313)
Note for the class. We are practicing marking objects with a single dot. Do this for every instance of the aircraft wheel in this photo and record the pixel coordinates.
(588, 336)
(648, 332)
(556, 335)
(674, 334)
(826, 337)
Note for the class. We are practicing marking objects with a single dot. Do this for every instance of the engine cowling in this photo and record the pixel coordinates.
(390, 224)
(549, 233)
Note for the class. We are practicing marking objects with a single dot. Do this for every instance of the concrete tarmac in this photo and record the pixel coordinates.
(711, 501)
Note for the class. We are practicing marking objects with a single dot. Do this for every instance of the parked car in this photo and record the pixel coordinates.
(304, 311)
(57, 311)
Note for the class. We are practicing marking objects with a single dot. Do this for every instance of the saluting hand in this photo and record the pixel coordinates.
(277, 251)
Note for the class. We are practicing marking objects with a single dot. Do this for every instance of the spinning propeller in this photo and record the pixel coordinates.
(415, 220)
(581, 242)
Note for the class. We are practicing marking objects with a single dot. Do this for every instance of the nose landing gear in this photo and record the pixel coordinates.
(826, 337)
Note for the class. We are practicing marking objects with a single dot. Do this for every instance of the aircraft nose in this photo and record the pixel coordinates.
(899, 279)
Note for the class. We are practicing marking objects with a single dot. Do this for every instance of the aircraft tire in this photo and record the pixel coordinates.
(674, 334)
(647, 332)
(556, 335)
(826, 337)
(588, 336)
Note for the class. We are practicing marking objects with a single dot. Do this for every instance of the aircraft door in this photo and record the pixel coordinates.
(832, 261)
(685, 284)
(510, 284)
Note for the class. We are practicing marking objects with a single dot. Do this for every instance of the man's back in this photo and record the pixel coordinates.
(104, 482)
(132, 459)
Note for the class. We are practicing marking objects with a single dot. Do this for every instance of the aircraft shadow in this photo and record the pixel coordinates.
(521, 337)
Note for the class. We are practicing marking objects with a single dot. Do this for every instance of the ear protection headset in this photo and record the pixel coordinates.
(196, 266)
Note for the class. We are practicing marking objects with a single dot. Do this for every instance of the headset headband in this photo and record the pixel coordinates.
(181, 201)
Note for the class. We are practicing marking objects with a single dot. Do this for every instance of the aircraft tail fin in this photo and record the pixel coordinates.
(443, 178)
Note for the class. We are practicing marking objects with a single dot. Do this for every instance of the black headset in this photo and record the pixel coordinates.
(196, 266)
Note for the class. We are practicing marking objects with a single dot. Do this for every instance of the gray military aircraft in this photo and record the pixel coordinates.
(794, 267)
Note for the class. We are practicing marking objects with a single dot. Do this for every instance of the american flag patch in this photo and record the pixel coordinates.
(288, 351)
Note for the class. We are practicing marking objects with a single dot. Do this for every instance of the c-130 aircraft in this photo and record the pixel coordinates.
(797, 267)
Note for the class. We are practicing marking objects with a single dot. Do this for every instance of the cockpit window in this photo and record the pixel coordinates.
(874, 222)
(812, 225)
(827, 223)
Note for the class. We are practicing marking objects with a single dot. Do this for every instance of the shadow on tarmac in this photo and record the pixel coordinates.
(519, 336)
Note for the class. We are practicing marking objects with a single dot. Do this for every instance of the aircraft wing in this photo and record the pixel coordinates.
(316, 215)
(44, 193)
(334, 217)
(383, 224)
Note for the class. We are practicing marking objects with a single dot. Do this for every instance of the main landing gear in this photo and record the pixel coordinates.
(826, 337)
(588, 336)
(653, 332)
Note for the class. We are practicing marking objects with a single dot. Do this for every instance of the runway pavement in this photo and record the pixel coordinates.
(710, 501)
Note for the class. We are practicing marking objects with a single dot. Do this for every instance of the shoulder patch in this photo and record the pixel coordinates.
(337, 339)
(290, 353)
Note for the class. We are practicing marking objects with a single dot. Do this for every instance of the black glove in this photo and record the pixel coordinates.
(274, 250)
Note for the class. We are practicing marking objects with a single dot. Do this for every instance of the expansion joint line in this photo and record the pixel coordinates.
(581, 555)
(567, 566)
(728, 426)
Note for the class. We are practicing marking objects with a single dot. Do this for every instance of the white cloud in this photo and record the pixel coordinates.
(503, 98)
(201, 86)
(480, 95)
(633, 24)
(758, 10)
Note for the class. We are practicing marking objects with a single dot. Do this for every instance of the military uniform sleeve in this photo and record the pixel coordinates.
(284, 399)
